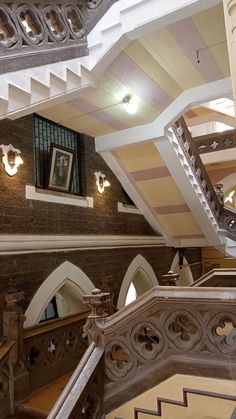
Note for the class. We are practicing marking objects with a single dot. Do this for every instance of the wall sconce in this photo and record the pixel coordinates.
(101, 182)
(11, 158)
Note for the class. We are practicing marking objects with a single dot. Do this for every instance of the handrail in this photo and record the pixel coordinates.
(54, 324)
(225, 216)
(214, 272)
(77, 383)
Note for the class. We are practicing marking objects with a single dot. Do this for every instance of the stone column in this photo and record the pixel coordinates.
(230, 24)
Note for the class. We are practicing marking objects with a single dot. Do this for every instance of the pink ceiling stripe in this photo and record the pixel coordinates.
(129, 73)
(190, 114)
(190, 40)
(172, 209)
(154, 173)
(217, 175)
(100, 115)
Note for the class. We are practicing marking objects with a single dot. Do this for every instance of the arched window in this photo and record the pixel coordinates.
(139, 278)
(65, 286)
(185, 273)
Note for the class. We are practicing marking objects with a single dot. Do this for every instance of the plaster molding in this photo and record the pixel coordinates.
(156, 129)
(57, 197)
(129, 185)
(66, 273)
(15, 244)
(129, 209)
(178, 166)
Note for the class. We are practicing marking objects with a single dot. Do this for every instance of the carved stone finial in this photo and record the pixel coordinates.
(219, 193)
(170, 279)
(14, 297)
(97, 300)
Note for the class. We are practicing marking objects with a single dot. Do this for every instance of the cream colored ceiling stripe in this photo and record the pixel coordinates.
(112, 86)
(180, 224)
(140, 157)
(142, 57)
(160, 192)
(211, 26)
(165, 50)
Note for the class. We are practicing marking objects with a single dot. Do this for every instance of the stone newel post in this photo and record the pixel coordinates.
(13, 320)
(97, 300)
(170, 279)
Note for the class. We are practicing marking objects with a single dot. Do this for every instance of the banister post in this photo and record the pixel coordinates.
(98, 301)
(170, 279)
(13, 320)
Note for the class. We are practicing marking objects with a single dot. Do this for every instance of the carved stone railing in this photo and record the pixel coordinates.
(215, 142)
(192, 155)
(226, 217)
(53, 348)
(165, 332)
(83, 395)
(30, 29)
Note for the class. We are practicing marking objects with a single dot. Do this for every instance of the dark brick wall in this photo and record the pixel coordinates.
(28, 271)
(21, 216)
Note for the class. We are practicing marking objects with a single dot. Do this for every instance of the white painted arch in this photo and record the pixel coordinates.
(186, 269)
(139, 263)
(66, 273)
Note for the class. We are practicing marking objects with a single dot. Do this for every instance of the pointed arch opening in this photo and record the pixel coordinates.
(66, 285)
(138, 279)
(185, 273)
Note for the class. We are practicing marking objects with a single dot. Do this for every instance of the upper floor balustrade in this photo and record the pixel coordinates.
(39, 32)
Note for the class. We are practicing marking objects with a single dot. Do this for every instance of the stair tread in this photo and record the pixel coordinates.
(42, 400)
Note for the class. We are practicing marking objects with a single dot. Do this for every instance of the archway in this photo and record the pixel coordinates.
(142, 277)
(67, 281)
(185, 273)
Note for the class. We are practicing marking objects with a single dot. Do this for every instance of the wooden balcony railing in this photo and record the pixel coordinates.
(35, 32)
(226, 217)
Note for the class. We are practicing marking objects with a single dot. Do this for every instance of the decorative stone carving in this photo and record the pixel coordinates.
(97, 300)
(220, 194)
(183, 330)
(146, 340)
(222, 332)
(119, 361)
(170, 279)
(38, 26)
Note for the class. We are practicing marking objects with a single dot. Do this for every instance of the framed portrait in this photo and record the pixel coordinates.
(61, 168)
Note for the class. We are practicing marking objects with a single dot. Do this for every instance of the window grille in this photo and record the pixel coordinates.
(45, 133)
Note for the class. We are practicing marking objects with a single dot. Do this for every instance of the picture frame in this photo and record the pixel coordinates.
(60, 168)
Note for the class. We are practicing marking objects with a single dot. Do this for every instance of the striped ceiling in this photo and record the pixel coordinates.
(159, 190)
(154, 69)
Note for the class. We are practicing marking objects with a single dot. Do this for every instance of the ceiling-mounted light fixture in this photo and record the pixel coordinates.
(130, 105)
(101, 182)
(11, 158)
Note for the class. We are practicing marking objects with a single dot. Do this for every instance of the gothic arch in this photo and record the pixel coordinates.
(139, 263)
(66, 273)
(186, 270)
